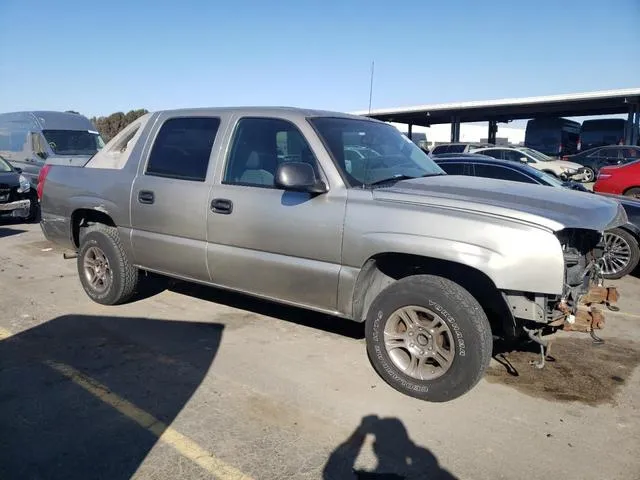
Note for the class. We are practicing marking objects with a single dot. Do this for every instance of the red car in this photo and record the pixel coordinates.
(621, 180)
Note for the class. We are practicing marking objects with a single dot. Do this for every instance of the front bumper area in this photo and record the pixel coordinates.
(19, 208)
(587, 315)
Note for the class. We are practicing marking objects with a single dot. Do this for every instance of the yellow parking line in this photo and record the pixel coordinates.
(183, 444)
(4, 333)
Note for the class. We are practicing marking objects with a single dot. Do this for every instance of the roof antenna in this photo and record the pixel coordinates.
(371, 86)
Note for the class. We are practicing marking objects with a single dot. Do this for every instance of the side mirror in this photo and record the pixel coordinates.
(299, 177)
(17, 169)
(524, 159)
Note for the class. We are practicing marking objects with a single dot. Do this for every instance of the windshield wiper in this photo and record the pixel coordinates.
(397, 178)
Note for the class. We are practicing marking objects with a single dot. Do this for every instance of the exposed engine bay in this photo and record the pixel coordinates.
(580, 307)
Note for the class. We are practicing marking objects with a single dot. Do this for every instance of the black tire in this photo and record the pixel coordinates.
(634, 257)
(459, 310)
(34, 210)
(590, 175)
(633, 192)
(123, 276)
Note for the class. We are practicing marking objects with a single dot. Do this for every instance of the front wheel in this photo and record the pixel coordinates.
(621, 254)
(428, 337)
(105, 272)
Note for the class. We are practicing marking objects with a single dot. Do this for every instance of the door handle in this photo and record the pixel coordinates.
(221, 205)
(146, 196)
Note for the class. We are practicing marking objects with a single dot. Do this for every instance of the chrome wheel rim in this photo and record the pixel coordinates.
(97, 271)
(617, 254)
(419, 342)
(589, 175)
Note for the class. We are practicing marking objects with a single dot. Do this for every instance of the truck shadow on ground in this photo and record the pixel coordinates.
(56, 423)
(8, 230)
(155, 284)
(576, 368)
(397, 456)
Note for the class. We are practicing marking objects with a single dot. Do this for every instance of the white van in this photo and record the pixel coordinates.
(28, 140)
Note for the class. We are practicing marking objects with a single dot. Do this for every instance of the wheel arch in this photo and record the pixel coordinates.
(626, 190)
(82, 217)
(383, 269)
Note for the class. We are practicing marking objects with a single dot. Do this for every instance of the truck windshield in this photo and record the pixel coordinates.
(73, 142)
(382, 151)
(4, 166)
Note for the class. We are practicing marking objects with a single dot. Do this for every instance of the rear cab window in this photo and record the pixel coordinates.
(182, 148)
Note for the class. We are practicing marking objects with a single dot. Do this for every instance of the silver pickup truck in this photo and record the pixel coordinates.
(340, 214)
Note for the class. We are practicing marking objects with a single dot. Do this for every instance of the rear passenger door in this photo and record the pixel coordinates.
(267, 241)
(169, 197)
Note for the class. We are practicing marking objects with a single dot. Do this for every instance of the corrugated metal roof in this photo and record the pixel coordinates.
(524, 101)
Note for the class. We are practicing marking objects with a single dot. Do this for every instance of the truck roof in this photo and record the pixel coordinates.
(264, 111)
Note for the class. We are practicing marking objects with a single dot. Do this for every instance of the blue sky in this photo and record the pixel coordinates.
(101, 57)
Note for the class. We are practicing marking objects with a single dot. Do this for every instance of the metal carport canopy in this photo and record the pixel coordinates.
(606, 102)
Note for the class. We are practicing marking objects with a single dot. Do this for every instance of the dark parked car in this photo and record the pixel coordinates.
(621, 250)
(18, 198)
(596, 158)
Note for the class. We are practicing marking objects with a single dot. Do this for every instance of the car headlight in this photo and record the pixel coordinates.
(25, 186)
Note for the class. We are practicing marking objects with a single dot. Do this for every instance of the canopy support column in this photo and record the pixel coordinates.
(493, 130)
(455, 129)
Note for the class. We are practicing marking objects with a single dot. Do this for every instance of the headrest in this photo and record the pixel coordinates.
(254, 162)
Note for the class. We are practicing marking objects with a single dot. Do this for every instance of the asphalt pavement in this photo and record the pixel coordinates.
(189, 382)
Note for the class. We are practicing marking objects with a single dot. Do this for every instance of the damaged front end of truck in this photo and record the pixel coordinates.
(585, 297)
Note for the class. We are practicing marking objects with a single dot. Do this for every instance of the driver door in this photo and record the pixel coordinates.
(266, 241)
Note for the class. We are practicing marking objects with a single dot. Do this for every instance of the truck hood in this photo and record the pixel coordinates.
(552, 208)
(68, 160)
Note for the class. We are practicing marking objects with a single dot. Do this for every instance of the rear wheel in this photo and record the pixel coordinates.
(621, 254)
(106, 274)
(633, 192)
(428, 337)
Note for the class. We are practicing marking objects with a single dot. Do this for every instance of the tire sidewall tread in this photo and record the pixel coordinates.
(124, 275)
(635, 254)
(465, 318)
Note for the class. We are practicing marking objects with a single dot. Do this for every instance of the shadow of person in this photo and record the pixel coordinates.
(53, 426)
(397, 456)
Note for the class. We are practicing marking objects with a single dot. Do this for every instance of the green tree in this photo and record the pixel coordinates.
(110, 125)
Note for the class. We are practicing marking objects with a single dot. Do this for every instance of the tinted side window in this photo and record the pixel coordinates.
(183, 147)
(492, 153)
(259, 146)
(631, 153)
(453, 168)
(512, 155)
(502, 173)
(609, 153)
(457, 148)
